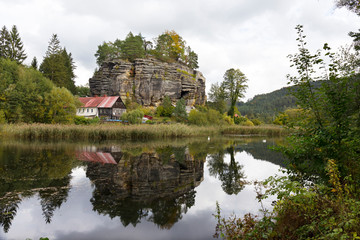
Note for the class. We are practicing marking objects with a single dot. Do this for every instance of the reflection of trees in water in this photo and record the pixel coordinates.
(156, 186)
(261, 150)
(53, 197)
(230, 174)
(25, 172)
(8, 207)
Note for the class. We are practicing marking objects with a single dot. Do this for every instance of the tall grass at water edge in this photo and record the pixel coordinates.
(133, 132)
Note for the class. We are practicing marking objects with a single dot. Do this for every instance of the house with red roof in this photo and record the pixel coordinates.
(107, 107)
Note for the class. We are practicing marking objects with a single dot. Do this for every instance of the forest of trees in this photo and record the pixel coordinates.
(168, 47)
(31, 95)
(266, 107)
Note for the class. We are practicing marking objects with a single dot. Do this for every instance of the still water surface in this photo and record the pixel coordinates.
(129, 190)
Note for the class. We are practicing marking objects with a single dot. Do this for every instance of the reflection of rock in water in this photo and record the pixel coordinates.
(142, 184)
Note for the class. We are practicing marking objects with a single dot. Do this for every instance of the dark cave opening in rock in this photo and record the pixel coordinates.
(184, 94)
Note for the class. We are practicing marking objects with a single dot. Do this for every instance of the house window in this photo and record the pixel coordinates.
(92, 110)
(83, 109)
(87, 110)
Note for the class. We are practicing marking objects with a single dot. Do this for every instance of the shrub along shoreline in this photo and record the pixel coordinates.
(132, 132)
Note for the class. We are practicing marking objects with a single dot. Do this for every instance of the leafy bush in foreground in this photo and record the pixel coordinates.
(301, 212)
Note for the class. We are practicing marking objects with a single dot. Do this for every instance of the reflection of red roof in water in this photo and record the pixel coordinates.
(100, 157)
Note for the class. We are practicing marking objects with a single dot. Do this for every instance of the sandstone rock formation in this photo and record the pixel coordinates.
(148, 81)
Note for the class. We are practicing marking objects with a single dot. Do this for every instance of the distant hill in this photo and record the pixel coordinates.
(267, 106)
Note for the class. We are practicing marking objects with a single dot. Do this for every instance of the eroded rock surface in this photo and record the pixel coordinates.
(149, 81)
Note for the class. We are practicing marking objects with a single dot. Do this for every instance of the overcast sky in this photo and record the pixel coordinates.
(254, 36)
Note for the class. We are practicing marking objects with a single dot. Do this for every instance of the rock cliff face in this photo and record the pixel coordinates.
(149, 80)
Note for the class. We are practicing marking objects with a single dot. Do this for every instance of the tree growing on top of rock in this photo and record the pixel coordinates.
(129, 49)
(168, 47)
(132, 47)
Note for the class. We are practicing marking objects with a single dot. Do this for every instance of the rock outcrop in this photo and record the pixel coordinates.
(148, 81)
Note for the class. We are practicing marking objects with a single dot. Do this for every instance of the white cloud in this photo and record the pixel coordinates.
(254, 36)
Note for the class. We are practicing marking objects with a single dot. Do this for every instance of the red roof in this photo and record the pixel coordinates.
(100, 157)
(100, 102)
(108, 102)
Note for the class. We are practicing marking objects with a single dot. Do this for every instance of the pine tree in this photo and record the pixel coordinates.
(58, 65)
(4, 42)
(16, 51)
(54, 46)
(132, 47)
(34, 63)
(70, 67)
(180, 111)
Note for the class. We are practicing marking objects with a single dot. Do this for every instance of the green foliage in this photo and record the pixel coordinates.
(179, 112)
(81, 120)
(166, 109)
(217, 96)
(234, 85)
(133, 117)
(11, 46)
(198, 118)
(301, 212)
(230, 90)
(159, 111)
(83, 91)
(331, 127)
(324, 149)
(205, 117)
(240, 119)
(267, 106)
(352, 5)
(61, 105)
(34, 63)
(191, 58)
(256, 122)
(4, 43)
(22, 93)
(106, 51)
(169, 47)
(132, 47)
(2, 117)
(131, 104)
(58, 65)
(291, 117)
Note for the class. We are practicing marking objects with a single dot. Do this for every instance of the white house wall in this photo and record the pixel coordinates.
(87, 112)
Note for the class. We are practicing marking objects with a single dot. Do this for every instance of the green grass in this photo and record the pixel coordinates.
(134, 132)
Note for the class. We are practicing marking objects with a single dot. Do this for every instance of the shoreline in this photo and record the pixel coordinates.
(58, 132)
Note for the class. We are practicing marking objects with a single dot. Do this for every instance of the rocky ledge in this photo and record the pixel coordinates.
(149, 81)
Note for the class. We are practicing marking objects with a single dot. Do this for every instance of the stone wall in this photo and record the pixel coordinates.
(149, 80)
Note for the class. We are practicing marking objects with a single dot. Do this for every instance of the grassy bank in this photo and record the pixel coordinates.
(134, 132)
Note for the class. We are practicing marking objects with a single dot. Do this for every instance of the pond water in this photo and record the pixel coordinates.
(129, 190)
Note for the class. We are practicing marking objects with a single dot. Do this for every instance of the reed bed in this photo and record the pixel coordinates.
(56, 132)
(262, 130)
